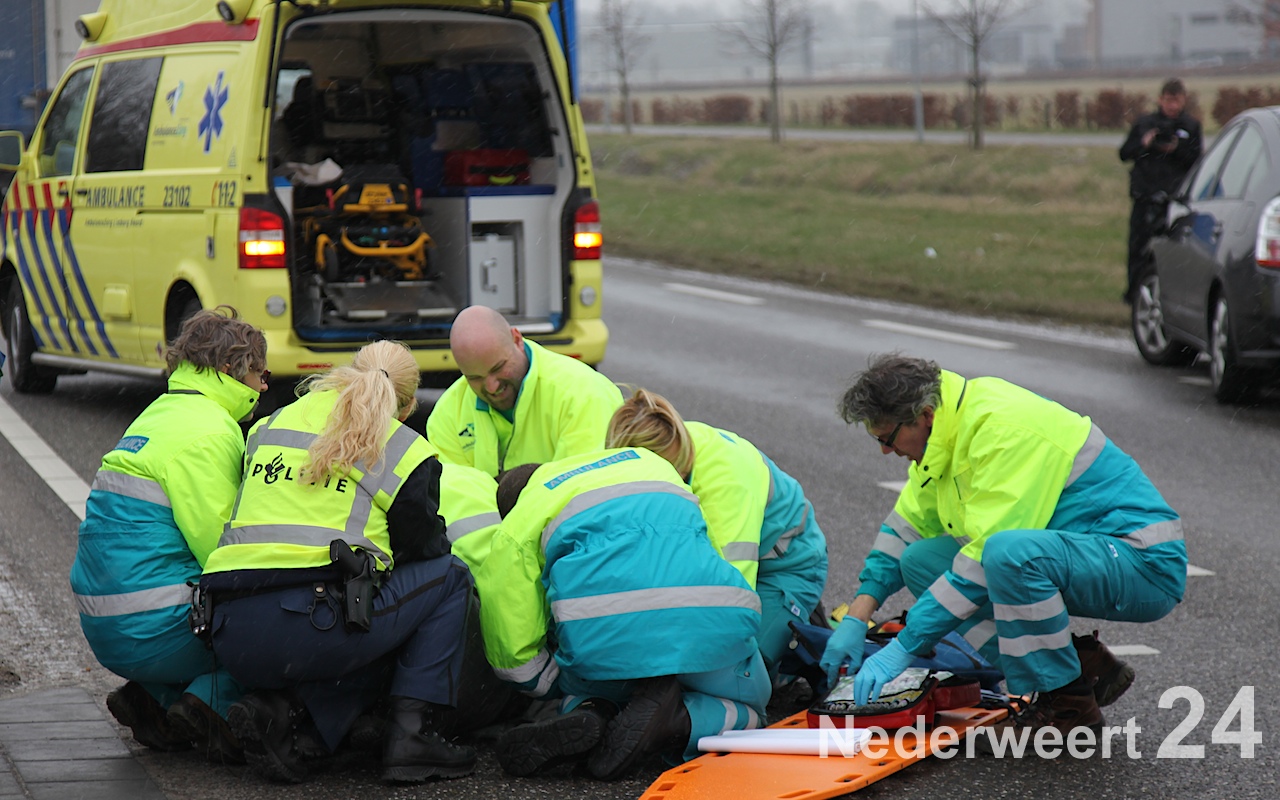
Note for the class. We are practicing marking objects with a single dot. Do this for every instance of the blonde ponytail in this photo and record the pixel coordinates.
(648, 420)
(377, 387)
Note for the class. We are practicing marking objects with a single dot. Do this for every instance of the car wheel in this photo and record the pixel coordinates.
(1147, 323)
(26, 377)
(1231, 382)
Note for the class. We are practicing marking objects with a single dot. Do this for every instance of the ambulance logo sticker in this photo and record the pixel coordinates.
(173, 97)
(215, 97)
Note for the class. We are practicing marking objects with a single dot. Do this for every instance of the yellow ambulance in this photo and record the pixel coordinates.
(337, 170)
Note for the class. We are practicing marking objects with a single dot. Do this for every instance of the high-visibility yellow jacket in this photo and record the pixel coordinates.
(611, 549)
(469, 505)
(731, 479)
(1002, 458)
(156, 509)
(389, 509)
(563, 409)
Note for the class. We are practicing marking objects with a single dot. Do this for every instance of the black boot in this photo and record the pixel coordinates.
(654, 719)
(135, 708)
(202, 725)
(277, 734)
(526, 749)
(416, 748)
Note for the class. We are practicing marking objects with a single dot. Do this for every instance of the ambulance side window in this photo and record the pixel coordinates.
(62, 126)
(122, 115)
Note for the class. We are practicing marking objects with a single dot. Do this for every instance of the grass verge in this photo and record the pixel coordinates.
(1030, 231)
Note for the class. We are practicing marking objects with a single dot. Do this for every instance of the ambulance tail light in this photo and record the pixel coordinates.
(1268, 251)
(261, 239)
(587, 238)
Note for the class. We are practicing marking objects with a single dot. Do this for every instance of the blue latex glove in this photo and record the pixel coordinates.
(844, 647)
(882, 667)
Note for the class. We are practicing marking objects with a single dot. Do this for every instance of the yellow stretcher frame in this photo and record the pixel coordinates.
(755, 776)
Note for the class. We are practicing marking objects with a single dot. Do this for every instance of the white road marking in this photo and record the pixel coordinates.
(715, 294)
(893, 486)
(53, 470)
(942, 336)
(1132, 650)
(1196, 380)
(1195, 572)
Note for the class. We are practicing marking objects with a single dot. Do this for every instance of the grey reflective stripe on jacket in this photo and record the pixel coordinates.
(780, 547)
(890, 545)
(604, 494)
(461, 527)
(659, 598)
(899, 525)
(741, 551)
(143, 489)
(368, 484)
(543, 666)
(1089, 452)
(115, 605)
(1156, 533)
(950, 598)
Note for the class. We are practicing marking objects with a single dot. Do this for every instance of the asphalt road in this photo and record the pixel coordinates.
(770, 362)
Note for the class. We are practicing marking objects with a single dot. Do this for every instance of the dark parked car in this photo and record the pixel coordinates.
(1213, 283)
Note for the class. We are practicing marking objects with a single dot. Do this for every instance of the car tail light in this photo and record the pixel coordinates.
(587, 238)
(261, 239)
(1268, 250)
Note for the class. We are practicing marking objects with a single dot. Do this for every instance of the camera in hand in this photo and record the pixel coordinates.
(1166, 133)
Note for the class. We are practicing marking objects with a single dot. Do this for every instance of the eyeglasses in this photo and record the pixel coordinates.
(893, 435)
(265, 377)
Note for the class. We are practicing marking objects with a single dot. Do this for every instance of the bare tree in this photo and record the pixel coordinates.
(621, 22)
(971, 22)
(771, 27)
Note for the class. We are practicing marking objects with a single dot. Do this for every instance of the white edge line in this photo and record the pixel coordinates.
(943, 336)
(40, 457)
(715, 294)
(893, 486)
(1132, 650)
(1196, 572)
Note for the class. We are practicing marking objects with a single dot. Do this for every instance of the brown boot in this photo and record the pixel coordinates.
(1108, 675)
(1072, 706)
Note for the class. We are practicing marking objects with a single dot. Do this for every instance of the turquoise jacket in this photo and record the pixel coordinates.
(610, 551)
(155, 512)
(1001, 458)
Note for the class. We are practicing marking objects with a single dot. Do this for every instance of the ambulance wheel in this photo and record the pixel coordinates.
(26, 377)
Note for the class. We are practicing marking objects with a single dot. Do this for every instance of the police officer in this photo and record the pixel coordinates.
(643, 614)
(155, 512)
(1163, 146)
(1017, 513)
(757, 515)
(334, 575)
(516, 402)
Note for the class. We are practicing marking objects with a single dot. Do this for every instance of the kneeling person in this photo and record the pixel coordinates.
(611, 549)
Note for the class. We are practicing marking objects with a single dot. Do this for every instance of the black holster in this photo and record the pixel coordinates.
(200, 617)
(360, 584)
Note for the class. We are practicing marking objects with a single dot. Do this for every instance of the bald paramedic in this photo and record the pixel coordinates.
(516, 402)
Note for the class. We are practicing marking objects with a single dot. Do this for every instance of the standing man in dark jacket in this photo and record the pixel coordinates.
(1163, 147)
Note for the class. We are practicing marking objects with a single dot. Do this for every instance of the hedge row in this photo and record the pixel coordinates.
(1107, 109)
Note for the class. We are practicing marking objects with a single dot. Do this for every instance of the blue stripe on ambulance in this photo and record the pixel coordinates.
(30, 214)
(64, 225)
(46, 224)
(25, 269)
